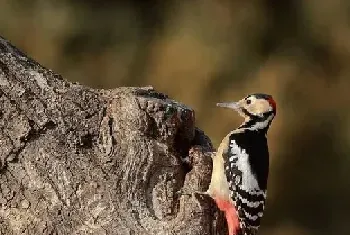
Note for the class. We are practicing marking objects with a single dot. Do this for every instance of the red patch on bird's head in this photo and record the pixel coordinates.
(272, 103)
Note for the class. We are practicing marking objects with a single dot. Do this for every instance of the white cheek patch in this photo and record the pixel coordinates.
(259, 107)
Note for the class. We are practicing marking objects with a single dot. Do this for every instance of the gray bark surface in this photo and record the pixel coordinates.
(75, 160)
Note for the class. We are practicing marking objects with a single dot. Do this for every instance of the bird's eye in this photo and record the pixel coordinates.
(248, 101)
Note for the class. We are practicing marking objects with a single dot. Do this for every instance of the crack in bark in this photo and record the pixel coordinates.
(97, 161)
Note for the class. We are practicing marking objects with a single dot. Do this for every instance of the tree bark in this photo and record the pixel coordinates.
(75, 160)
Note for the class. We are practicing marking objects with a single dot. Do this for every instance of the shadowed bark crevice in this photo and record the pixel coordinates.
(75, 160)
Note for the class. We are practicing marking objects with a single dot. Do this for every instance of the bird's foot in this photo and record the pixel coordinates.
(191, 193)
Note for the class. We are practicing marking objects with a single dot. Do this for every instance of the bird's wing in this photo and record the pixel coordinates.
(249, 199)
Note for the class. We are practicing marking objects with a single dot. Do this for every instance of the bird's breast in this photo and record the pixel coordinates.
(219, 187)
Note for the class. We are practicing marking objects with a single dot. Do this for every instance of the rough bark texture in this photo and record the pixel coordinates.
(74, 160)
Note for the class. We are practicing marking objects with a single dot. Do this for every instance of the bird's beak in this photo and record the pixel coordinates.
(237, 106)
(231, 105)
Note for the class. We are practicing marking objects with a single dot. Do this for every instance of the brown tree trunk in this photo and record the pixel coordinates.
(74, 160)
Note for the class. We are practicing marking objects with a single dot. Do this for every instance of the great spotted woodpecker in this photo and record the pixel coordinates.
(241, 165)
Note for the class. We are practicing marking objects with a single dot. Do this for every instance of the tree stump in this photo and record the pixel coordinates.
(75, 160)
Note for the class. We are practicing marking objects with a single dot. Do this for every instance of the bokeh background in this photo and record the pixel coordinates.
(203, 52)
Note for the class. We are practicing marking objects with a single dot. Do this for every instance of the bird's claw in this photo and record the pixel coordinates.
(191, 193)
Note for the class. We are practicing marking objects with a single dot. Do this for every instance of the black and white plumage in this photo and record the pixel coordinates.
(241, 165)
(247, 162)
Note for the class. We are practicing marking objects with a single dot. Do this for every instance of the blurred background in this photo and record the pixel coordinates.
(203, 52)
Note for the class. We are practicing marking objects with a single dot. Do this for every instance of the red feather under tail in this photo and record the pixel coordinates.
(231, 215)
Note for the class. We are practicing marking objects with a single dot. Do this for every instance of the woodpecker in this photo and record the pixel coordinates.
(241, 165)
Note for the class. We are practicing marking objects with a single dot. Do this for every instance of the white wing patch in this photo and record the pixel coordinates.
(251, 204)
(248, 180)
(253, 217)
